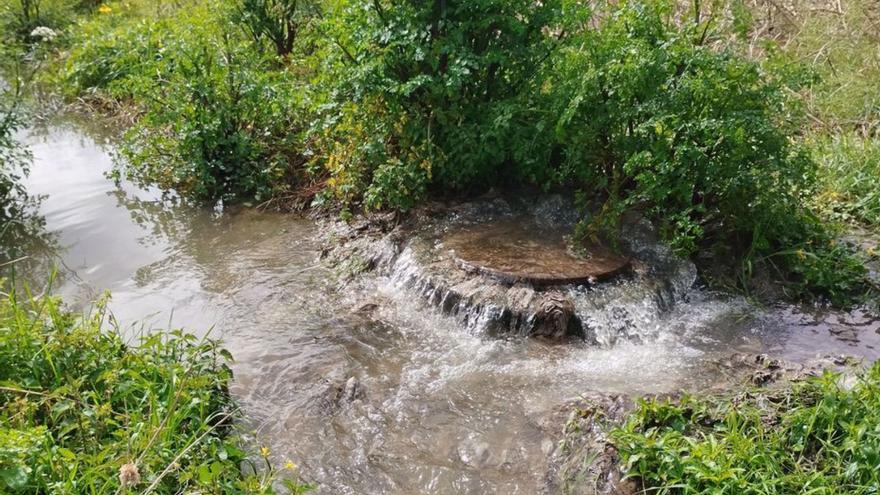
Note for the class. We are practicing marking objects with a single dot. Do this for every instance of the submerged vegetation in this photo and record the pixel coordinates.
(732, 125)
(819, 437)
(81, 411)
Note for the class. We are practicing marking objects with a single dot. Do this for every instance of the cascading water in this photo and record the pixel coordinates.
(424, 263)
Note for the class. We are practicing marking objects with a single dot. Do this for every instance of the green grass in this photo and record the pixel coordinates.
(82, 412)
(835, 47)
(838, 42)
(820, 437)
(849, 172)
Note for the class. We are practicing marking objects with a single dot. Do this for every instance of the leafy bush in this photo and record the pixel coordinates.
(21, 225)
(218, 121)
(219, 128)
(14, 159)
(821, 437)
(423, 94)
(644, 115)
(277, 21)
(82, 412)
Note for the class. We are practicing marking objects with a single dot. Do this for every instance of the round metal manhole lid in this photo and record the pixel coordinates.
(518, 250)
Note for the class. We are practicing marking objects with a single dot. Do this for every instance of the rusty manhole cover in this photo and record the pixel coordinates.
(518, 250)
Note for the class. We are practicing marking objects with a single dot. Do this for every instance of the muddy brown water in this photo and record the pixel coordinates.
(441, 410)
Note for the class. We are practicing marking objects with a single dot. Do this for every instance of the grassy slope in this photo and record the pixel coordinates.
(839, 43)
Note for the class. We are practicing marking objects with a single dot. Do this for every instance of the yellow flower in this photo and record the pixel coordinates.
(104, 9)
(290, 465)
(801, 254)
(264, 451)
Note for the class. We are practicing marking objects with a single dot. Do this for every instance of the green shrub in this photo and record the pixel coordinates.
(14, 159)
(218, 120)
(21, 225)
(82, 412)
(423, 94)
(641, 114)
(820, 437)
(219, 127)
(278, 22)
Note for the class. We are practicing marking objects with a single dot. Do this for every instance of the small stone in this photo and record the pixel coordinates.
(554, 317)
(366, 309)
(351, 391)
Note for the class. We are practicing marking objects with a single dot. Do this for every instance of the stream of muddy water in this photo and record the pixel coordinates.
(436, 409)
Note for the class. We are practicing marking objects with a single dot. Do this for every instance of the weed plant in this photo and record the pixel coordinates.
(849, 174)
(81, 411)
(821, 437)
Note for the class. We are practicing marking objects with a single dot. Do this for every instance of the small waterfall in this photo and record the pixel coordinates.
(629, 308)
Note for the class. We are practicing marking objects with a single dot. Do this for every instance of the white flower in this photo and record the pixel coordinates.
(44, 33)
(129, 475)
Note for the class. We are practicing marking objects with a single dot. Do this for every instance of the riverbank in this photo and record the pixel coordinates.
(786, 427)
(345, 125)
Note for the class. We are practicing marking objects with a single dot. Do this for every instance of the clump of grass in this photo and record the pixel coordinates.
(83, 412)
(839, 43)
(821, 436)
(849, 171)
(835, 47)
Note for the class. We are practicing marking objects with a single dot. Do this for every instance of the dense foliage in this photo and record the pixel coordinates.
(276, 22)
(218, 122)
(681, 111)
(646, 115)
(82, 412)
(14, 159)
(425, 95)
(821, 437)
(21, 226)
